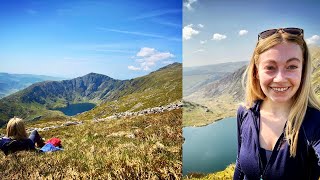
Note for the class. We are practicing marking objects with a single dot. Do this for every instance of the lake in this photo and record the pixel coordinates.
(74, 109)
(209, 148)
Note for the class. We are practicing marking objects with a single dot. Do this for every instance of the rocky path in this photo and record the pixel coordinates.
(147, 111)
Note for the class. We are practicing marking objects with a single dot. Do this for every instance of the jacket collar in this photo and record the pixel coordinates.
(256, 106)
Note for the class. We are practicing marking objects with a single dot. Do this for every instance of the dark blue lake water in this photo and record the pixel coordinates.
(74, 109)
(209, 148)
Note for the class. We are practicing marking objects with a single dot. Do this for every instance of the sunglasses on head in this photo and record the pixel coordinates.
(269, 32)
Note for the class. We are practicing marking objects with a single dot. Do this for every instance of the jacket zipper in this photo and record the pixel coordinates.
(276, 147)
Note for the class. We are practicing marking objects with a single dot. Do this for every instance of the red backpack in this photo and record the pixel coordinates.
(54, 141)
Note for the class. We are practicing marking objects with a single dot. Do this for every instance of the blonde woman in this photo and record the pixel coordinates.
(17, 139)
(279, 126)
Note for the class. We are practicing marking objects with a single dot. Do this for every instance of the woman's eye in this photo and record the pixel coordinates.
(292, 67)
(270, 67)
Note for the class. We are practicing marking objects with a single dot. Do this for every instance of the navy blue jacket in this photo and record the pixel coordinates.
(306, 164)
(8, 145)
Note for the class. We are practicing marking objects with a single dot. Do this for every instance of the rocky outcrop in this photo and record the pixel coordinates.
(153, 110)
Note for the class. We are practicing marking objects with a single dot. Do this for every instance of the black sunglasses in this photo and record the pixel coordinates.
(291, 30)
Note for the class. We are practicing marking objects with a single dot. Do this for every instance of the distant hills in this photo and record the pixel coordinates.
(11, 83)
(37, 101)
(229, 84)
(196, 77)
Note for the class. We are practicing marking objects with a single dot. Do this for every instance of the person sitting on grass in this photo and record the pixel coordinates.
(17, 140)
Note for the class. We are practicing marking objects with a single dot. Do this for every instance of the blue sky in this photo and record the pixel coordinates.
(211, 28)
(119, 38)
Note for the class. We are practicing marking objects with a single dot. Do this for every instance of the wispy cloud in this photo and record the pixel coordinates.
(313, 39)
(200, 25)
(188, 32)
(218, 37)
(243, 32)
(188, 3)
(167, 23)
(149, 57)
(103, 47)
(132, 32)
(139, 33)
(156, 13)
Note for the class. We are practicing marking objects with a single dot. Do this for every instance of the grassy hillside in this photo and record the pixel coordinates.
(143, 147)
(206, 112)
(226, 174)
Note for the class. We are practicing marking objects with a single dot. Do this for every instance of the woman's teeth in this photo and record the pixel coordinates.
(280, 89)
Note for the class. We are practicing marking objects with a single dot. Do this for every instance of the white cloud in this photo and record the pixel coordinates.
(203, 42)
(200, 25)
(188, 3)
(313, 40)
(188, 32)
(243, 32)
(145, 51)
(134, 68)
(149, 57)
(218, 37)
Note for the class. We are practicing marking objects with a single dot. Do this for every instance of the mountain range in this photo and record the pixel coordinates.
(38, 100)
(11, 83)
(196, 77)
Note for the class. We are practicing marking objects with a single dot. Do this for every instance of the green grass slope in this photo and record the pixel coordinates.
(142, 147)
(226, 174)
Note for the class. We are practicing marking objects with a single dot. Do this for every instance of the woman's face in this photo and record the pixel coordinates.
(279, 72)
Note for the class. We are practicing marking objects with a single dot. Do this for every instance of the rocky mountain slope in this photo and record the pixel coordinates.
(230, 84)
(315, 56)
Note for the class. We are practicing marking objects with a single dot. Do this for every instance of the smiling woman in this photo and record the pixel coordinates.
(278, 129)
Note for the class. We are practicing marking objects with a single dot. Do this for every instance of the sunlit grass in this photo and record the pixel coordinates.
(144, 147)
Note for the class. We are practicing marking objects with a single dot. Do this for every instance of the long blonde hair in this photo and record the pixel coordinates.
(16, 129)
(305, 95)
